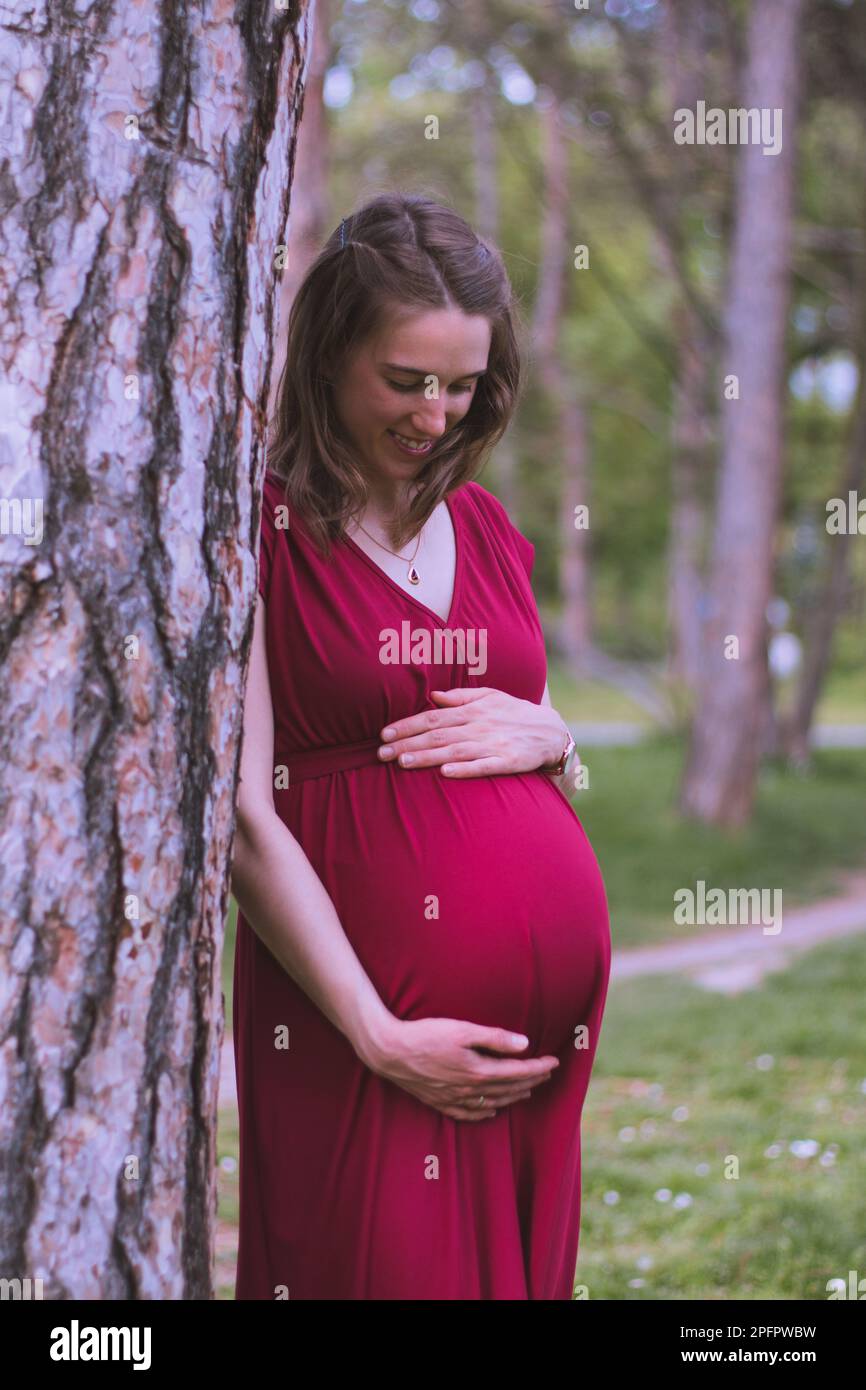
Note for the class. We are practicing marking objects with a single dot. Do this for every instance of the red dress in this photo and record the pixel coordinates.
(478, 899)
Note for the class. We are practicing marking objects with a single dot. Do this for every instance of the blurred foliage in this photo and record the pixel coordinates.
(395, 63)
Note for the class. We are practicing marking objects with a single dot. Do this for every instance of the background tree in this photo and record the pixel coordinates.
(732, 712)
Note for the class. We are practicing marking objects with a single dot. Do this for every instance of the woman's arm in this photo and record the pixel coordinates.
(286, 904)
(279, 891)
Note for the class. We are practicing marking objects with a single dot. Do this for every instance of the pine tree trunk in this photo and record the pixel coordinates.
(151, 178)
(732, 711)
(824, 616)
(562, 399)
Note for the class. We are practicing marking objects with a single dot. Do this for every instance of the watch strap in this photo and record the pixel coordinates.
(558, 768)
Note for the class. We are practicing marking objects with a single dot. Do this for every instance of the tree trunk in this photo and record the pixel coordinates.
(691, 434)
(480, 33)
(825, 615)
(722, 767)
(561, 395)
(693, 425)
(310, 203)
(152, 176)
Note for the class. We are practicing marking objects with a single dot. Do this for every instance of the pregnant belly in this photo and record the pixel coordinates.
(480, 900)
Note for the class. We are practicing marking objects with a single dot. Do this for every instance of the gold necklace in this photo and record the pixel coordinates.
(413, 576)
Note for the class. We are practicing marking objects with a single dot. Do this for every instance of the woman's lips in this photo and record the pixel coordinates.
(411, 453)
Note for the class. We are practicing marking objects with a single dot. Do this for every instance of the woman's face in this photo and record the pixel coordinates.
(383, 390)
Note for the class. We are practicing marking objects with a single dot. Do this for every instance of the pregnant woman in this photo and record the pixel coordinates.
(423, 945)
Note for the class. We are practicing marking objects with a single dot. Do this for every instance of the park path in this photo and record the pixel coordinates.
(731, 959)
(624, 732)
(726, 960)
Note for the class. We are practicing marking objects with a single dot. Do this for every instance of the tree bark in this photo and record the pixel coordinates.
(310, 202)
(824, 616)
(694, 414)
(722, 766)
(146, 192)
(563, 401)
(691, 436)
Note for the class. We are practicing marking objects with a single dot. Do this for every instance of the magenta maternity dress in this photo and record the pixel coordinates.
(478, 899)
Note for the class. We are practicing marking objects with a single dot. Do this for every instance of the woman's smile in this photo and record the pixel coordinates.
(406, 445)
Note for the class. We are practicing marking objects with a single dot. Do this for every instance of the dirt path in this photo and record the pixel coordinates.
(731, 959)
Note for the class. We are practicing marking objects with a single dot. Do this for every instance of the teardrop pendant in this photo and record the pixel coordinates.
(414, 576)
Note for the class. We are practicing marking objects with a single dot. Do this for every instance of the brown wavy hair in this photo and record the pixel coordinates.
(400, 251)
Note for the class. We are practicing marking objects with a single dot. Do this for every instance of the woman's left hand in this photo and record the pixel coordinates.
(479, 733)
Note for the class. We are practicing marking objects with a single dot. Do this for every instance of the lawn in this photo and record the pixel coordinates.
(684, 1083)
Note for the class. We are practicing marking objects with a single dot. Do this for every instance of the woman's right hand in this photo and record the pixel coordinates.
(446, 1063)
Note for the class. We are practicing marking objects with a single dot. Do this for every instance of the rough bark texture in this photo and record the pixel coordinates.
(139, 289)
(721, 772)
(691, 438)
(695, 407)
(824, 617)
(560, 393)
(310, 204)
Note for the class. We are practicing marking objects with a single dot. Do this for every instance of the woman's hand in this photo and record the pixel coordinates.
(445, 1063)
(481, 732)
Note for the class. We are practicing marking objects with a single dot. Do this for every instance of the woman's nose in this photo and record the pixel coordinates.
(430, 420)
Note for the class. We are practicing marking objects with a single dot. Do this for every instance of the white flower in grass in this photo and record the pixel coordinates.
(648, 1129)
(644, 1261)
(702, 1169)
(804, 1148)
(765, 1061)
(611, 1198)
(228, 1164)
(682, 1199)
(663, 1194)
(773, 1151)
(827, 1159)
(681, 1113)
(627, 1134)
(636, 1283)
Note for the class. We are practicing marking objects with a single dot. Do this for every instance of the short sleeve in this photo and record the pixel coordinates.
(273, 497)
(495, 510)
(525, 549)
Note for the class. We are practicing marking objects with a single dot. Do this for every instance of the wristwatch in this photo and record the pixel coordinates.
(564, 765)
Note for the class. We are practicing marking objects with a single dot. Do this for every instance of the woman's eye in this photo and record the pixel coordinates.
(401, 386)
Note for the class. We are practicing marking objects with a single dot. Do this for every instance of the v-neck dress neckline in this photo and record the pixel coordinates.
(458, 569)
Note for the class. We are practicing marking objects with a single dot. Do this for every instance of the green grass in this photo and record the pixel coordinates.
(843, 700)
(228, 1213)
(786, 1224)
(806, 829)
(592, 702)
